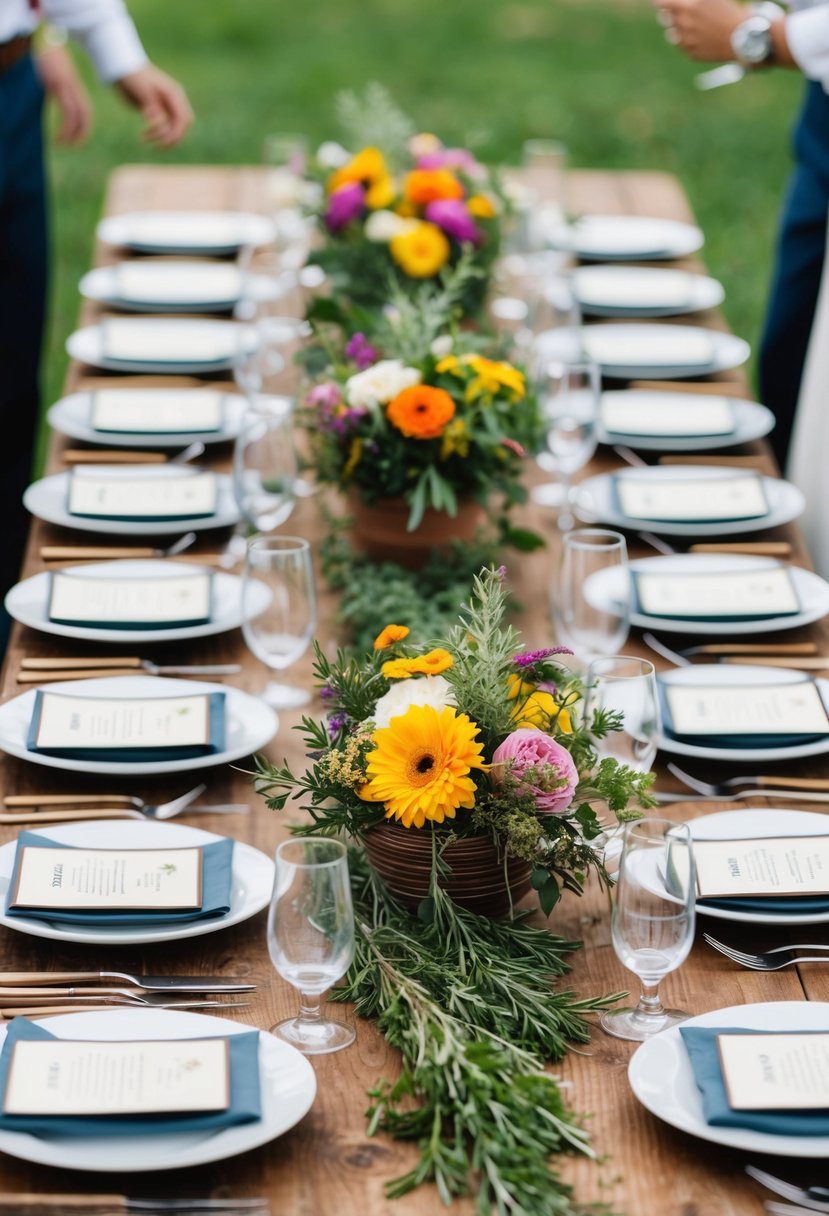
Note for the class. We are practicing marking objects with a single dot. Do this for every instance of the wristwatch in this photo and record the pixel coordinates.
(752, 41)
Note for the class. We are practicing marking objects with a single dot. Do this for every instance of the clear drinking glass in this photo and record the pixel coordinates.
(545, 165)
(592, 622)
(279, 634)
(265, 463)
(569, 399)
(627, 685)
(533, 293)
(652, 920)
(311, 937)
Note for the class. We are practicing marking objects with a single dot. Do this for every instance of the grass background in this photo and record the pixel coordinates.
(596, 74)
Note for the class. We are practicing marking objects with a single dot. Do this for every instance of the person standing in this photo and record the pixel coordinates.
(756, 36)
(106, 32)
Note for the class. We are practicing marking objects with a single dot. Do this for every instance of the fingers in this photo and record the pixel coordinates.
(167, 113)
(75, 117)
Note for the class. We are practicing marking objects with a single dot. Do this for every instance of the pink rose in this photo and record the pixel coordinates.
(541, 766)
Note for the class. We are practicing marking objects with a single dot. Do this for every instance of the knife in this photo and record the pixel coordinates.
(103, 1205)
(153, 983)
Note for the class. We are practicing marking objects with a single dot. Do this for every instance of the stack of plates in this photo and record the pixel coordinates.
(607, 238)
(188, 232)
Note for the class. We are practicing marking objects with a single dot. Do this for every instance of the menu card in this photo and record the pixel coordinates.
(130, 603)
(112, 727)
(692, 500)
(187, 229)
(177, 283)
(128, 495)
(758, 710)
(612, 288)
(107, 879)
(666, 414)
(614, 235)
(778, 865)
(786, 1071)
(156, 411)
(67, 1077)
(143, 340)
(614, 346)
(744, 595)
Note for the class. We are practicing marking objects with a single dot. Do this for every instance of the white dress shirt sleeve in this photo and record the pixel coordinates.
(104, 29)
(807, 33)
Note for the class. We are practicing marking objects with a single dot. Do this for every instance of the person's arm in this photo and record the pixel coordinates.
(703, 29)
(65, 88)
(105, 30)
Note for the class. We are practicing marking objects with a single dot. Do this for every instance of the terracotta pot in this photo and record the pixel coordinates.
(403, 859)
(379, 531)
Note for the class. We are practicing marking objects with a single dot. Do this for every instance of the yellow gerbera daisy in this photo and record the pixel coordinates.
(380, 193)
(431, 664)
(481, 207)
(367, 167)
(491, 376)
(391, 634)
(421, 251)
(421, 763)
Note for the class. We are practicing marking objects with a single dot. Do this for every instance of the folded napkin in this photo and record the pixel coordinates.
(613, 346)
(613, 289)
(746, 741)
(701, 1045)
(217, 870)
(245, 1102)
(164, 341)
(787, 905)
(179, 283)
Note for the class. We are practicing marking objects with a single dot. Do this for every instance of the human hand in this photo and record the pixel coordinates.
(162, 101)
(63, 84)
(702, 28)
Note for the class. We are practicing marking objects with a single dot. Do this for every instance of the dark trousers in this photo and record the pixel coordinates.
(801, 248)
(22, 301)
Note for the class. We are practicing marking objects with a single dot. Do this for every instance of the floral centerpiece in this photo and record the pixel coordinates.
(423, 413)
(401, 206)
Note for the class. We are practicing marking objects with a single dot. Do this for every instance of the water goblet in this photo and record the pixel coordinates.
(279, 634)
(569, 399)
(265, 463)
(311, 937)
(651, 920)
(626, 685)
(592, 622)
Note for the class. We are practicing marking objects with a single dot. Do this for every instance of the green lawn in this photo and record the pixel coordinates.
(597, 75)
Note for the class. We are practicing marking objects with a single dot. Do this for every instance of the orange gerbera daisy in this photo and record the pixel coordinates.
(421, 412)
(424, 186)
(391, 634)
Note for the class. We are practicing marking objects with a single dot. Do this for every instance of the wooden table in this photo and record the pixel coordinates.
(327, 1164)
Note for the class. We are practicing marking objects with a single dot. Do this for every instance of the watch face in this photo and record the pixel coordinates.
(752, 40)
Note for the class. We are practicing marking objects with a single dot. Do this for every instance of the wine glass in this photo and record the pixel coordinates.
(592, 624)
(265, 463)
(626, 685)
(651, 920)
(311, 937)
(533, 294)
(545, 165)
(569, 399)
(280, 633)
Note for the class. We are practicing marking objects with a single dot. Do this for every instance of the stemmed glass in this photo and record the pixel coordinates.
(534, 294)
(592, 624)
(652, 920)
(311, 937)
(569, 398)
(628, 686)
(265, 463)
(279, 634)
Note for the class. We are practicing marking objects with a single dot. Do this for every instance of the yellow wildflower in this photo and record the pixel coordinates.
(421, 251)
(450, 364)
(380, 194)
(431, 664)
(481, 207)
(455, 440)
(354, 454)
(367, 168)
(491, 376)
(391, 634)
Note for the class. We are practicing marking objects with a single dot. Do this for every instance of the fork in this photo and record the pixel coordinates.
(760, 781)
(59, 553)
(769, 960)
(815, 1197)
(137, 808)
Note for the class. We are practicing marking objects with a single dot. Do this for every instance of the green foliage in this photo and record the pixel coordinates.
(372, 118)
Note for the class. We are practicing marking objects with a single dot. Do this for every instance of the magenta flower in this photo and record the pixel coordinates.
(344, 206)
(325, 396)
(541, 767)
(451, 158)
(530, 657)
(360, 350)
(452, 216)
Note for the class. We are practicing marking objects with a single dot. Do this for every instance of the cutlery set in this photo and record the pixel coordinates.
(123, 1205)
(810, 1198)
(771, 960)
(39, 671)
(44, 993)
(66, 808)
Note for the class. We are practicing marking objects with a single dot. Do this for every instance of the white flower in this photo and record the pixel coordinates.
(442, 346)
(379, 384)
(382, 226)
(428, 690)
(332, 155)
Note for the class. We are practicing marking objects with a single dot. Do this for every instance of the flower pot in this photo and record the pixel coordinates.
(479, 880)
(379, 530)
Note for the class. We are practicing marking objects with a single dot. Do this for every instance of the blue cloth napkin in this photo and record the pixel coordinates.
(701, 1045)
(245, 1101)
(217, 866)
(787, 905)
(748, 742)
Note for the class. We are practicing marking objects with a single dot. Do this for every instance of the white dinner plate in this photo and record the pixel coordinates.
(250, 890)
(47, 499)
(596, 501)
(207, 232)
(104, 287)
(28, 602)
(606, 588)
(724, 350)
(661, 1077)
(644, 291)
(758, 824)
(608, 238)
(751, 421)
(222, 338)
(723, 674)
(71, 416)
(250, 724)
(288, 1087)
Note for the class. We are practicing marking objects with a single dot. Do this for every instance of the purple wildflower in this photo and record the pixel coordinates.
(360, 350)
(344, 206)
(336, 723)
(327, 693)
(531, 657)
(450, 158)
(501, 572)
(452, 215)
(325, 396)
